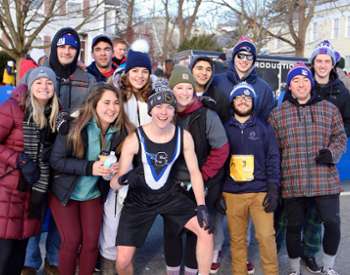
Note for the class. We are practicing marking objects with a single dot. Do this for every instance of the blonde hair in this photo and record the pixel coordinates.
(37, 111)
(88, 111)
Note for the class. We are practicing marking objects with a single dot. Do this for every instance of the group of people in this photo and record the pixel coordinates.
(193, 148)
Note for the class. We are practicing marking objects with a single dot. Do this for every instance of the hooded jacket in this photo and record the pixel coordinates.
(254, 137)
(222, 85)
(301, 132)
(73, 83)
(336, 92)
(14, 204)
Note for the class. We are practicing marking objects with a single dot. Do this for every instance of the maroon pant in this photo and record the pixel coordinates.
(79, 226)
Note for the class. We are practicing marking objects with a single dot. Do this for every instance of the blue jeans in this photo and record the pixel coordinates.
(33, 254)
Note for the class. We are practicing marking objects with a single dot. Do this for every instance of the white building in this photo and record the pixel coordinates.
(331, 21)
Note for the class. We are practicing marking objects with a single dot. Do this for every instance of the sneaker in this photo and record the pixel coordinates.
(330, 271)
(98, 264)
(50, 269)
(28, 271)
(311, 264)
(293, 273)
(250, 267)
(215, 266)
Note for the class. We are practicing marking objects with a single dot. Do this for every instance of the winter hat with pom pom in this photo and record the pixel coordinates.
(138, 56)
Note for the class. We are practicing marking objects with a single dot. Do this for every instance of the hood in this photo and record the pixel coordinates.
(194, 106)
(204, 58)
(19, 94)
(232, 74)
(63, 71)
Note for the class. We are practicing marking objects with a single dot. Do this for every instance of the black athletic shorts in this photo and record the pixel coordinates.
(140, 211)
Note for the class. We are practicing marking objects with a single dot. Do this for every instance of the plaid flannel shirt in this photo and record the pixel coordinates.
(301, 132)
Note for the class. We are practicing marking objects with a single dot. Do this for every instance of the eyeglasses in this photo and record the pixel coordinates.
(243, 98)
(248, 57)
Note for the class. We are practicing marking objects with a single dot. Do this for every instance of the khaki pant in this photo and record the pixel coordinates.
(239, 208)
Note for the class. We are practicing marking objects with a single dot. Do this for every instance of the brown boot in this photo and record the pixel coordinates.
(107, 267)
(50, 269)
(28, 271)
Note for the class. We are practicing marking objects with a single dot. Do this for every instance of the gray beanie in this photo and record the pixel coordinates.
(160, 97)
(39, 72)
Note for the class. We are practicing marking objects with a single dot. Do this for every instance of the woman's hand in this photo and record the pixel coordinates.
(98, 169)
(114, 183)
(115, 168)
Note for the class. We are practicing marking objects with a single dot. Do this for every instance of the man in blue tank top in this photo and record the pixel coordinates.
(154, 148)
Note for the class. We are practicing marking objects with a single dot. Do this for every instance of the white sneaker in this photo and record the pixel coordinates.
(330, 271)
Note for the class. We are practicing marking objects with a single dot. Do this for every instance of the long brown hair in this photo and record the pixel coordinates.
(128, 89)
(88, 111)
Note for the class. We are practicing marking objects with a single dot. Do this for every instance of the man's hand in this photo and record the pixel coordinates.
(204, 218)
(324, 157)
(271, 199)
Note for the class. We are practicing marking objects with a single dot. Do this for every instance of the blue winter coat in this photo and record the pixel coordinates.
(254, 137)
(222, 85)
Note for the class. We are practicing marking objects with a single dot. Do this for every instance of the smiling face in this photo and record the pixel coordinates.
(66, 54)
(107, 109)
(300, 87)
(102, 54)
(42, 90)
(162, 115)
(243, 61)
(183, 93)
(202, 72)
(138, 77)
(243, 105)
(322, 65)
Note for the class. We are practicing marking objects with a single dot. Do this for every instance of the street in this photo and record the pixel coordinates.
(150, 259)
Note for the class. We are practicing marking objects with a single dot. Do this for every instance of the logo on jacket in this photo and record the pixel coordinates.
(253, 136)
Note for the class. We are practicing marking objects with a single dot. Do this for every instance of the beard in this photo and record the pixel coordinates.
(242, 114)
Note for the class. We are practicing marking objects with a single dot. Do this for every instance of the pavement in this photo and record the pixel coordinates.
(149, 259)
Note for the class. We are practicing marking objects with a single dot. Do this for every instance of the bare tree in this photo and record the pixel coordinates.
(21, 21)
(185, 22)
(285, 20)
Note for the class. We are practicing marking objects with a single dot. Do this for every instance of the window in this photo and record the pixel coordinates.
(74, 7)
(348, 26)
(335, 28)
(314, 35)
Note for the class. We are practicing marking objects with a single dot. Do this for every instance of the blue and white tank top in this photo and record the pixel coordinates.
(158, 158)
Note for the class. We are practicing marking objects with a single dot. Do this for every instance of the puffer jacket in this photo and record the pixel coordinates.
(14, 204)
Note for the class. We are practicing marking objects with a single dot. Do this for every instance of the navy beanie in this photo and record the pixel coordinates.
(137, 59)
(242, 88)
(246, 45)
(300, 69)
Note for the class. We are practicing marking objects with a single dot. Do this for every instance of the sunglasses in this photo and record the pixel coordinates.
(248, 57)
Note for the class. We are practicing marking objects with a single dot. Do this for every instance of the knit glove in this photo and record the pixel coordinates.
(324, 157)
(271, 199)
(29, 169)
(204, 218)
(37, 204)
(132, 177)
(62, 123)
